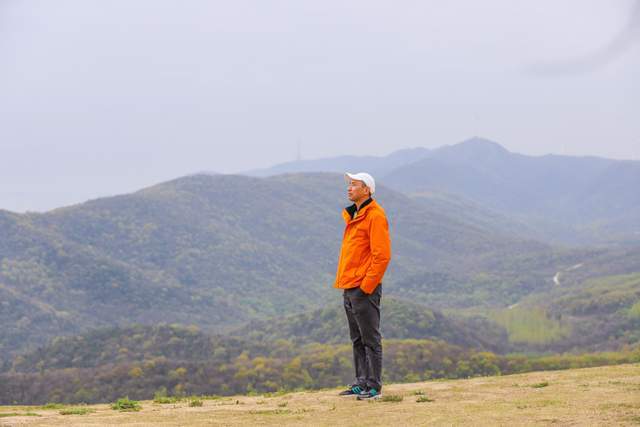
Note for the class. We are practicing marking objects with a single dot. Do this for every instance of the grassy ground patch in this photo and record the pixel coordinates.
(77, 411)
(589, 396)
(18, 414)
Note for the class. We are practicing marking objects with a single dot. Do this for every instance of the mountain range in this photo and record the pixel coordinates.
(561, 199)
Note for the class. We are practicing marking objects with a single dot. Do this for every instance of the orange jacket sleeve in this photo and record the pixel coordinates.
(380, 245)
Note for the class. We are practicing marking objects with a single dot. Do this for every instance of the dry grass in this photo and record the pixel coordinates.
(593, 396)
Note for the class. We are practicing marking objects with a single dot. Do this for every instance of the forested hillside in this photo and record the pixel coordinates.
(217, 251)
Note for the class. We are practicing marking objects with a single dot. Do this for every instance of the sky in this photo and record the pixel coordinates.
(99, 98)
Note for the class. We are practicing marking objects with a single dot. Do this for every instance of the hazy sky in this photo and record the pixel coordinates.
(105, 97)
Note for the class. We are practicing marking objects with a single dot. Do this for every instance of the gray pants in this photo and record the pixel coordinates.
(363, 315)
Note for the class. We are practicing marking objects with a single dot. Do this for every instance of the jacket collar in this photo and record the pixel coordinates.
(350, 211)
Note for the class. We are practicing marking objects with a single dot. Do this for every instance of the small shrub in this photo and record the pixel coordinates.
(77, 411)
(540, 385)
(282, 405)
(126, 405)
(161, 397)
(163, 400)
(418, 393)
(422, 399)
(195, 402)
(391, 398)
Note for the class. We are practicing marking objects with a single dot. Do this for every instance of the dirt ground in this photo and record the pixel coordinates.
(607, 396)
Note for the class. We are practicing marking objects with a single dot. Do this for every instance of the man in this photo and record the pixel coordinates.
(365, 254)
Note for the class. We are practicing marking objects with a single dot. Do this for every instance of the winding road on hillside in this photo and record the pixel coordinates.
(556, 278)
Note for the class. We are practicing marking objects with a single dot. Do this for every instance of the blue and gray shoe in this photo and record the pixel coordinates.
(353, 391)
(372, 393)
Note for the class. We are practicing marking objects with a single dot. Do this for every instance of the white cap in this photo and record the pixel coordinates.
(362, 176)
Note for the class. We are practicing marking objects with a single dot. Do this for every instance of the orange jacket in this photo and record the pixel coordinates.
(366, 249)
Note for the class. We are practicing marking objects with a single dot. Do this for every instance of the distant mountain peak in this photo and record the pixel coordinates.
(475, 148)
(477, 142)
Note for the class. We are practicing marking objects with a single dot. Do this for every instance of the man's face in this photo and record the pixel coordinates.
(357, 191)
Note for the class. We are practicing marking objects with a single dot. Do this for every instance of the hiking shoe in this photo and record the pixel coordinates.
(353, 391)
(372, 393)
